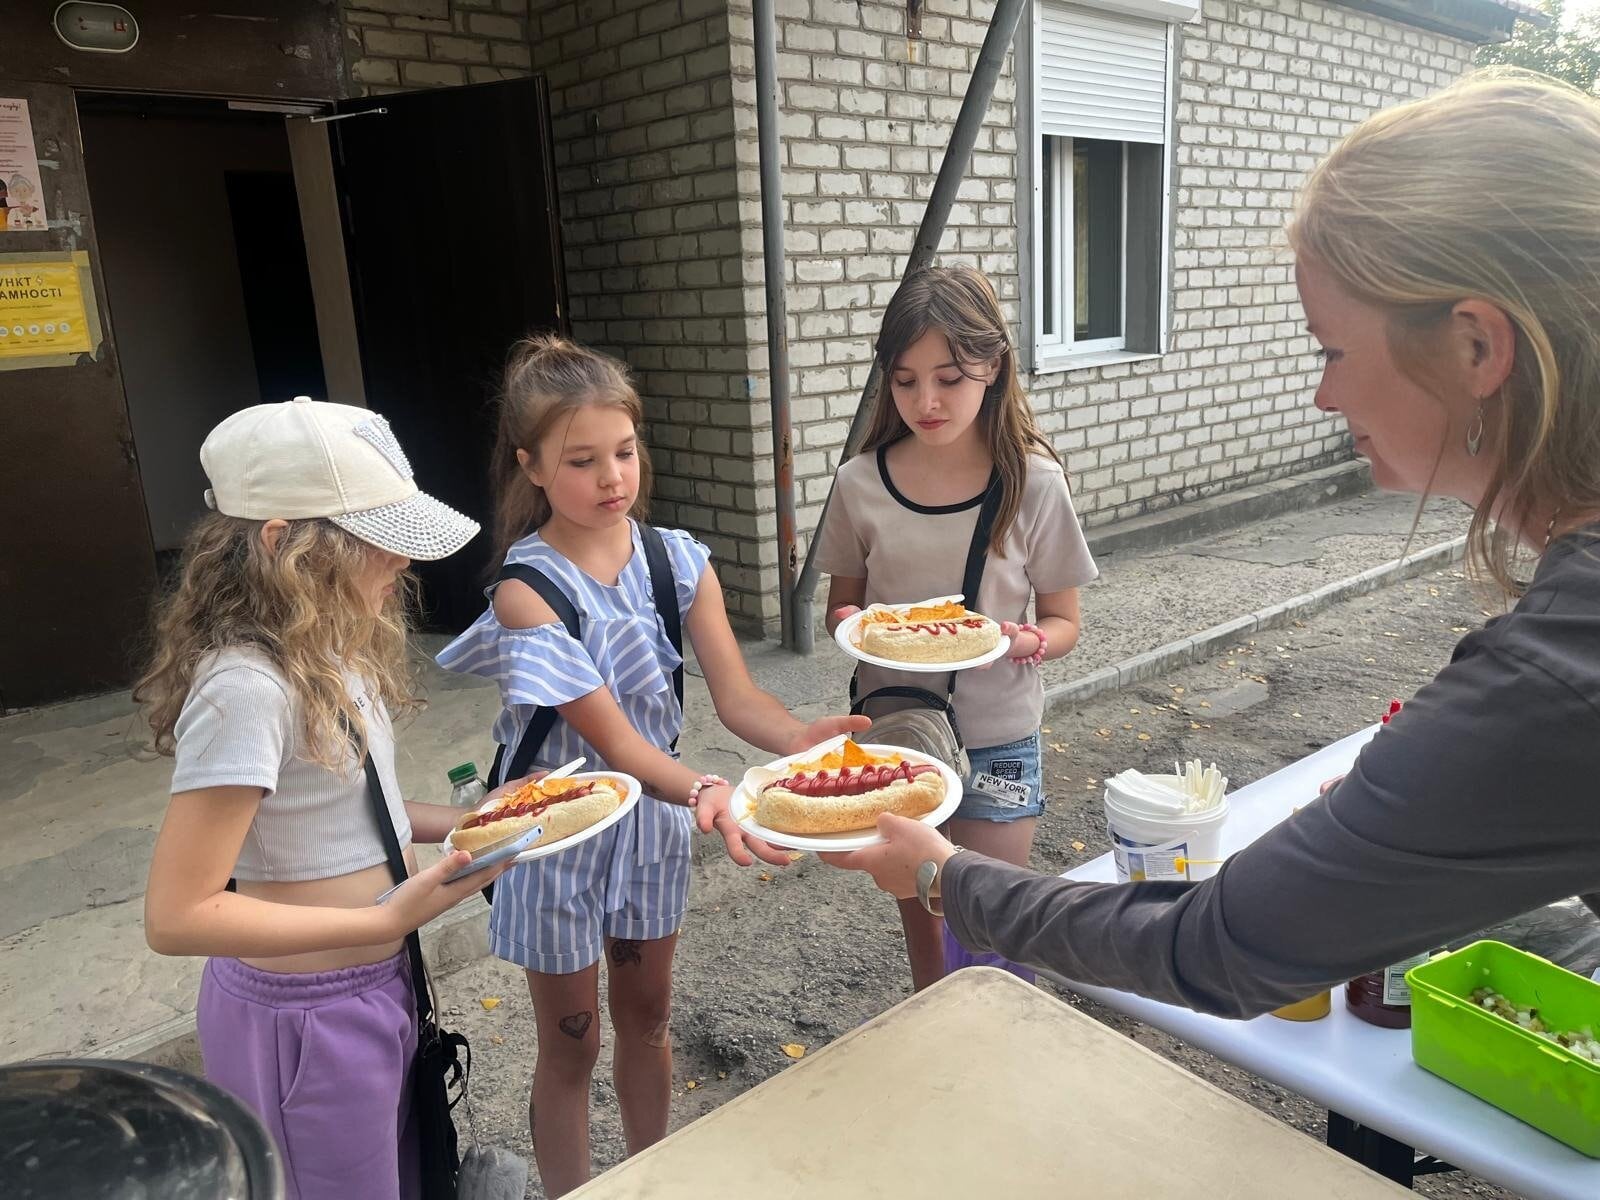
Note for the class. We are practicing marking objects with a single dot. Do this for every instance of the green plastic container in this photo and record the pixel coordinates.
(1498, 1061)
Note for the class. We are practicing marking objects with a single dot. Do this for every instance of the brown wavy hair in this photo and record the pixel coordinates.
(300, 606)
(960, 303)
(549, 378)
(1489, 189)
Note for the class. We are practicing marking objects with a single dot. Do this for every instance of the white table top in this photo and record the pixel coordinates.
(1345, 1064)
(982, 1086)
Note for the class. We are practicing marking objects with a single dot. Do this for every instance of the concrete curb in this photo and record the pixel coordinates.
(1184, 522)
(455, 940)
(1202, 645)
(1198, 518)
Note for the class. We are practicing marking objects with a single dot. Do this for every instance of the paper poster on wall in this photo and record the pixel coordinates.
(21, 189)
(43, 310)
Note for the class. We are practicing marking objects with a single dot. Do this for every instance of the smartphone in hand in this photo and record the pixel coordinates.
(491, 855)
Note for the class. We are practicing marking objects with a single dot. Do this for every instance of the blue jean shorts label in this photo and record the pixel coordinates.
(1004, 783)
(993, 783)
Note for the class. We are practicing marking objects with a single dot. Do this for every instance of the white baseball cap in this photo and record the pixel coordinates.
(308, 458)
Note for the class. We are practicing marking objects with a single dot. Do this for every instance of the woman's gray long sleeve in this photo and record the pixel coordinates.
(1476, 803)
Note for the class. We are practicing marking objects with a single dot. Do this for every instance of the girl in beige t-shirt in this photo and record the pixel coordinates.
(949, 420)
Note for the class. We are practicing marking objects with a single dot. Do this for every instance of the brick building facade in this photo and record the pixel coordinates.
(654, 121)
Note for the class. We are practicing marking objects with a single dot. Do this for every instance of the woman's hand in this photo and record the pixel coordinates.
(426, 894)
(1329, 785)
(893, 865)
(844, 612)
(824, 728)
(712, 811)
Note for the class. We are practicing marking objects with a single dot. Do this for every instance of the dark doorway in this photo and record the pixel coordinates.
(453, 239)
(277, 284)
(206, 278)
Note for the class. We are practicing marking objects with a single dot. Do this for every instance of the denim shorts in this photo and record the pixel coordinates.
(1005, 783)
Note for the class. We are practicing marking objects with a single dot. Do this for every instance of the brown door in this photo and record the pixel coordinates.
(452, 233)
(76, 563)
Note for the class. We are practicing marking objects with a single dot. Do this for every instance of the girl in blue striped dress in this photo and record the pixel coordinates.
(572, 478)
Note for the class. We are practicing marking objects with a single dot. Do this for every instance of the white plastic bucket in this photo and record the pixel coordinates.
(1145, 846)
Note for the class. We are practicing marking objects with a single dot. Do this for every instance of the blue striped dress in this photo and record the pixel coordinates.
(632, 881)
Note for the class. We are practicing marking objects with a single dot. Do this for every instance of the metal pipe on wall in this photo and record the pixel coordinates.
(766, 37)
(952, 170)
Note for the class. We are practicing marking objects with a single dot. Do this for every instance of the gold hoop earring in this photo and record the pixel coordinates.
(1475, 434)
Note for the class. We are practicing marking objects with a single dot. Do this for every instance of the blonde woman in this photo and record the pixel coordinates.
(1448, 260)
(280, 659)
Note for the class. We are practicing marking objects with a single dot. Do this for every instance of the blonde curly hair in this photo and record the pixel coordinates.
(300, 605)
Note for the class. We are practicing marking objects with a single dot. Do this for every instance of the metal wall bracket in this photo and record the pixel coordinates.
(365, 112)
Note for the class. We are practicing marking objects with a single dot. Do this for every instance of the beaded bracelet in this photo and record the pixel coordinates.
(1037, 657)
(704, 781)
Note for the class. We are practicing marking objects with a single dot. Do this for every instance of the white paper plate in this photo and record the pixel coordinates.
(743, 803)
(583, 835)
(844, 634)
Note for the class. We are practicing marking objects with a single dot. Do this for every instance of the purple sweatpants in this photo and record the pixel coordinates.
(325, 1060)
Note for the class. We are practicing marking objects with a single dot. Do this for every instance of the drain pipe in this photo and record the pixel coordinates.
(766, 31)
(953, 168)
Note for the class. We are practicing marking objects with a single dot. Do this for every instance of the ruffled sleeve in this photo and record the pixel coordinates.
(543, 666)
(689, 558)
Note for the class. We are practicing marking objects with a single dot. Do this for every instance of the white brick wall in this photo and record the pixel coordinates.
(644, 120)
(1264, 90)
(397, 45)
(655, 128)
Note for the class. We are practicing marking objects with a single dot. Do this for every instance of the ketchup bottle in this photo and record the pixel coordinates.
(1382, 997)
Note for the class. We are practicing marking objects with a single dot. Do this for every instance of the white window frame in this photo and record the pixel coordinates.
(1061, 352)
(1064, 342)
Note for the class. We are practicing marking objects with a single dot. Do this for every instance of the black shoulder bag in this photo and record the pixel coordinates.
(930, 725)
(444, 1060)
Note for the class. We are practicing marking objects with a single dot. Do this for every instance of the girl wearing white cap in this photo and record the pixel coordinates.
(280, 659)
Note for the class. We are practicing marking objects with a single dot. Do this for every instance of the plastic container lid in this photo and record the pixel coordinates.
(464, 773)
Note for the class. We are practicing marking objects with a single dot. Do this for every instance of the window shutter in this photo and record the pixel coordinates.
(1101, 75)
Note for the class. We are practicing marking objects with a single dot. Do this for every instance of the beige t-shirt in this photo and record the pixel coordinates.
(909, 552)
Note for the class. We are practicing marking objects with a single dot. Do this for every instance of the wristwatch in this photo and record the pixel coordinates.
(928, 883)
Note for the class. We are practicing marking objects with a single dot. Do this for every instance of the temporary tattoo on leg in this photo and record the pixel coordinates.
(576, 1025)
(625, 952)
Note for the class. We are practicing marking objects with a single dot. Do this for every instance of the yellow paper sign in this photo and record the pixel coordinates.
(41, 308)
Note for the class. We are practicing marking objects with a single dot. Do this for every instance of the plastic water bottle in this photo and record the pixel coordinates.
(466, 789)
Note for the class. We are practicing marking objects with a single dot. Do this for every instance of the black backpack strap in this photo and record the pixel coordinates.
(544, 719)
(978, 553)
(398, 872)
(971, 581)
(664, 589)
(439, 1051)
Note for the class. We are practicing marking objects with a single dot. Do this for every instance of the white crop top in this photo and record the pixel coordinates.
(240, 726)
